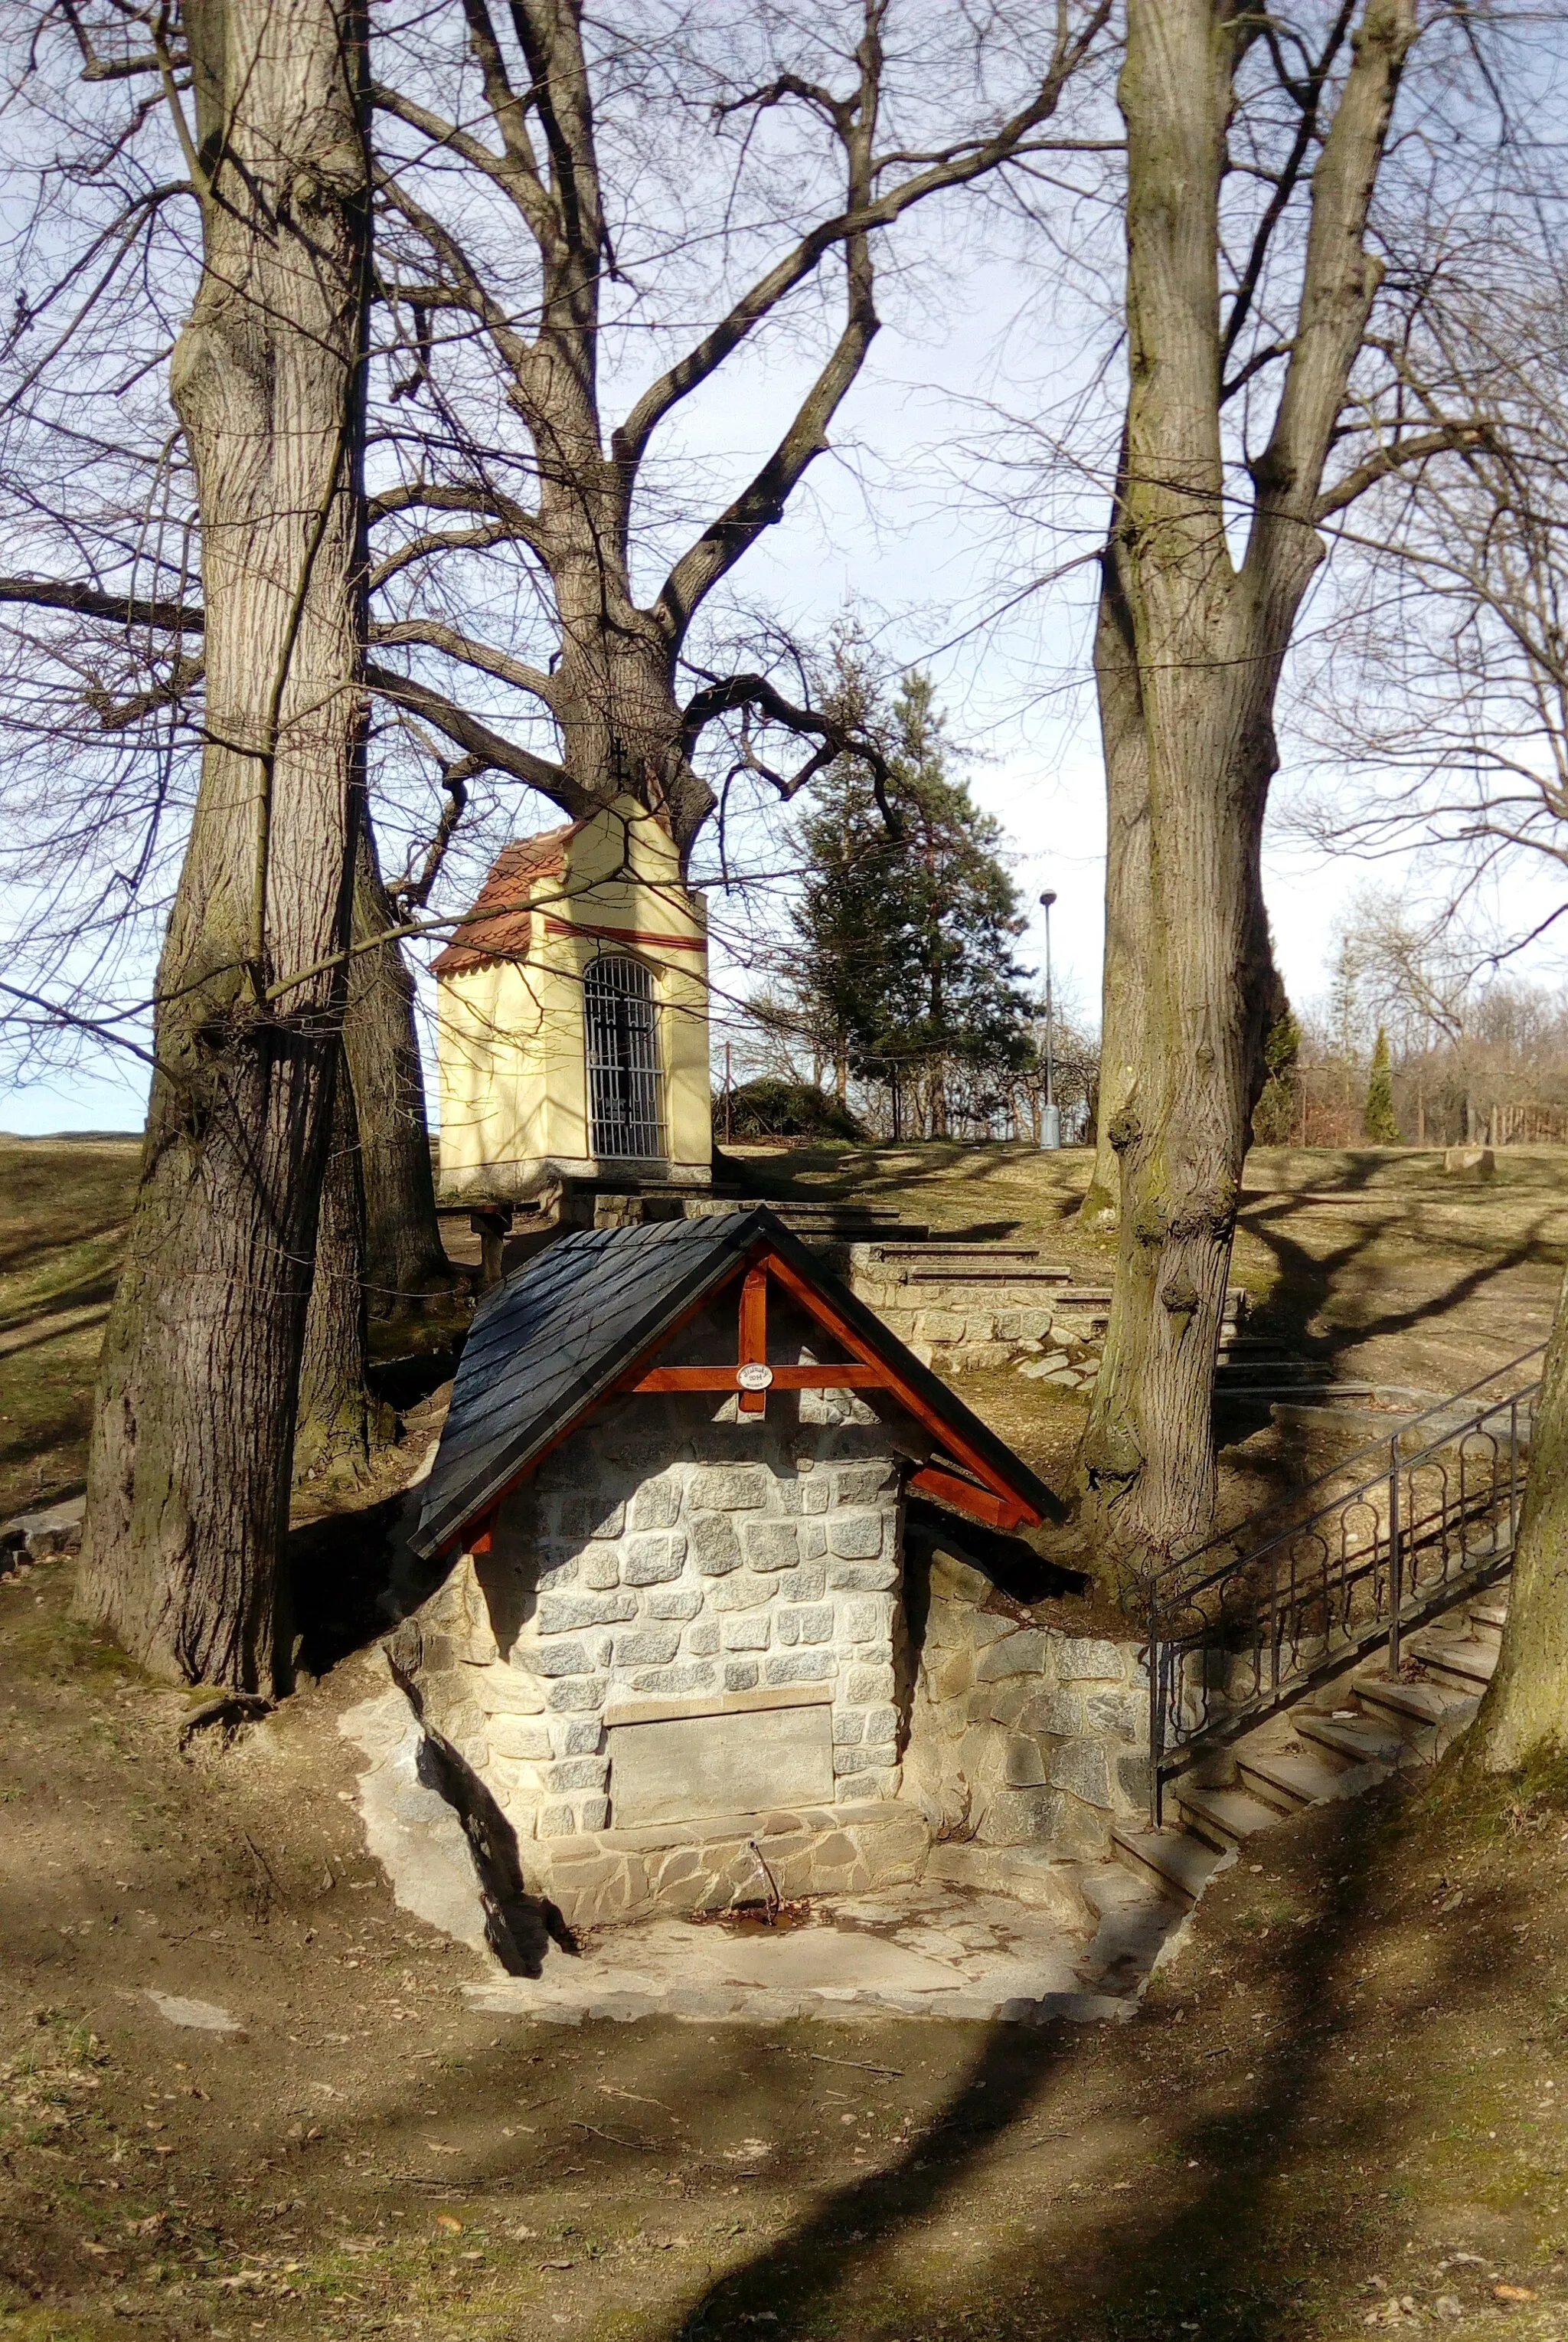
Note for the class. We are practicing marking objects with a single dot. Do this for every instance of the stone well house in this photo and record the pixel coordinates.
(672, 1643)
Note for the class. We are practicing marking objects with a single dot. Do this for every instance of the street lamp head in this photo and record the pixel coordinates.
(1046, 899)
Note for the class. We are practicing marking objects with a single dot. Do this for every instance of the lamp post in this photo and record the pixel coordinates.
(1051, 1113)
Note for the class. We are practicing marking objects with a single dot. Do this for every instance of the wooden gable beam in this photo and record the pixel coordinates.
(994, 1501)
(951, 1478)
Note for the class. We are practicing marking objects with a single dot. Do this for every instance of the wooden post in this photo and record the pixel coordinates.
(490, 1227)
(753, 1336)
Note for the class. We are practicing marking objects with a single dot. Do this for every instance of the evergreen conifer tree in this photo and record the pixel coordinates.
(906, 971)
(1274, 1116)
(1379, 1123)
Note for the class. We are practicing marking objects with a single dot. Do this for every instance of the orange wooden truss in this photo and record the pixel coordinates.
(960, 1476)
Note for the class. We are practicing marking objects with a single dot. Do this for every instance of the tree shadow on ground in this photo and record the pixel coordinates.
(1307, 1281)
(1218, 2259)
(1306, 1284)
(899, 1168)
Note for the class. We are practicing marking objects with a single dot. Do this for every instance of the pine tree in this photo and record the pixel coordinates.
(1379, 1123)
(1274, 1116)
(907, 975)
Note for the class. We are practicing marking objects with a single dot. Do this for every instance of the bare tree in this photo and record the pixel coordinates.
(1191, 648)
(839, 136)
(547, 185)
(252, 986)
(188, 1473)
(1453, 715)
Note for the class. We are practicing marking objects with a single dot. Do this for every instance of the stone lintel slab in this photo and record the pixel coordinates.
(655, 1708)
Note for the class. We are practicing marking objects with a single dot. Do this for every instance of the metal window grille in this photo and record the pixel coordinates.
(626, 1078)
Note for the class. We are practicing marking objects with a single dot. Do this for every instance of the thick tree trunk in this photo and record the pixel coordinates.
(189, 1474)
(404, 1264)
(1181, 1134)
(339, 1421)
(1127, 886)
(1208, 637)
(1526, 1711)
(621, 722)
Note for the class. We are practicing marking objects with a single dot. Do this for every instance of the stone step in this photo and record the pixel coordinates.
(1354, 1739)
(1462, 1663)
(1408, 1705)
(1129, 1940)
(988, 1273)
(1173, 1859)
(937, 1249)
(1285, 1781)
(1107, 1887)
(1225, 1817)
(1490, 1616)
(1028, 1874)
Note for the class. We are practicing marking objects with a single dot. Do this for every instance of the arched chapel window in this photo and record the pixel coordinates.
(625, 1076)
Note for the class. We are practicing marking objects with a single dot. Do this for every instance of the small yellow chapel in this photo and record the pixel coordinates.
(572, 1015)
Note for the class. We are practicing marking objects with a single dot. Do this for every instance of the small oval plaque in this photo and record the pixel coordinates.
(753, 1377)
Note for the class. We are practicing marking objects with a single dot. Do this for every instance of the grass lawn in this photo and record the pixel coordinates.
(64, 1204)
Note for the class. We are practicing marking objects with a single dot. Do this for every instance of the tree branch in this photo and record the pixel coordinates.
(432, 634)
(477, 739)
(119, 715)
(1399, 456)
(1339, 282)
(411, 893)
(955, 168)
(92, 602)
(1309, 98)
(724, 697)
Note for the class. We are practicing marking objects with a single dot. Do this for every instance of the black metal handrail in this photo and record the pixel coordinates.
(1180, 1571)
(1230, 1643)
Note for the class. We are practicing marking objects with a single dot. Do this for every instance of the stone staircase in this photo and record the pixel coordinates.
(496, 1235)
(965, 1306)
(1341, 1737)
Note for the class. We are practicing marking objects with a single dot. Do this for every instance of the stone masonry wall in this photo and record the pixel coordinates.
(1021, 1734)
(672, 1552)
(960, 1324)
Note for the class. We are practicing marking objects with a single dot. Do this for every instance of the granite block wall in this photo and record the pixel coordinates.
(674, 1559)
(960, 1324)
(1020, 1733)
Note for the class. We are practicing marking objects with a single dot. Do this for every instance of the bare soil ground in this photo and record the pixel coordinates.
(1342, 2108)
(1337, 2112)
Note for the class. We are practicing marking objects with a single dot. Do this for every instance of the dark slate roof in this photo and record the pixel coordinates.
(554, 1338)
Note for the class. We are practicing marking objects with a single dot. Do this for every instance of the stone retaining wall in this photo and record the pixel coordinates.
(1021, 1734)
(713, 1865)
(960, 1324)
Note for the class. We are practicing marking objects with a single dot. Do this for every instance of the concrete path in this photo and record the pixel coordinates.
(933, 1950)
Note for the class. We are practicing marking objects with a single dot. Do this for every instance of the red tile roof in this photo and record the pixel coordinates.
(497, 927)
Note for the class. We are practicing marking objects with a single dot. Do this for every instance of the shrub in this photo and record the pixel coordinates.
(769, 1107)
